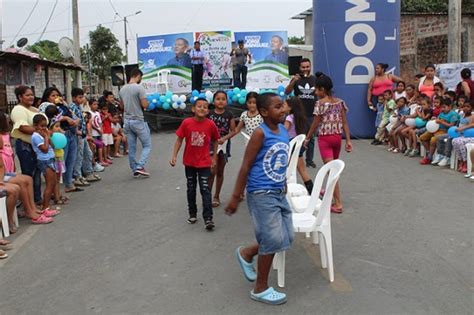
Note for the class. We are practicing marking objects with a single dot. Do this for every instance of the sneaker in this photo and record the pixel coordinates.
(110, 157)
(310, 164)
(92, 178)
(425, 161)
(109, 161)
(104, 164)
(98, 168)
(374, 142)
(142, 172)
(81, 181)
(209, 225)
(407, 152)
(192, 220)
(437, 159)
(445, 162)
(414, 153)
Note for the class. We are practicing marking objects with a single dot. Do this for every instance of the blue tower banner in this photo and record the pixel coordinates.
(350, 38)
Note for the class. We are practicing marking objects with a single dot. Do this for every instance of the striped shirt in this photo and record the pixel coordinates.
(197, 54)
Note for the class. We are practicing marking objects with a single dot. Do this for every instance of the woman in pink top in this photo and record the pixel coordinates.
(330, 117)
(380, 83)
(426, 85)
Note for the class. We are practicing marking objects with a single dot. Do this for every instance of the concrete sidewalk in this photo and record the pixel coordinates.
(402, 246)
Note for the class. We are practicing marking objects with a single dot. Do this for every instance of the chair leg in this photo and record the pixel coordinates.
(454, 160)
(469, 160)
(276, 260)
(328, 241)
(281, 269)
(308, 235)
(4, 217)
(322, 250)
(315, 238)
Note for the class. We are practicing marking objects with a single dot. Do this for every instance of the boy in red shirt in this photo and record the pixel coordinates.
(107, 137)
(199, 132)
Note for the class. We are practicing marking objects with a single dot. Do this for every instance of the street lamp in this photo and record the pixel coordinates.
(125, 33)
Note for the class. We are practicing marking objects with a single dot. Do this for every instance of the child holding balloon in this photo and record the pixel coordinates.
(429, 139)
(466, 131)
(225, 124)
(402, 112)
(421, 116)
(41, 143)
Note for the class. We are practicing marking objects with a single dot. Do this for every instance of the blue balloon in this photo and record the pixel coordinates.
(162, 98)
(169, 94)
(195, 93)
(242, 100)
(236, 90)
(151, 106)
(166, 106)
(58, 140)
(469, 133)
(193, 99)
(202, 95)
(420, 123)
(452, 133)
(149, 98)
(281, 88)
(244, 93)
(235, 98)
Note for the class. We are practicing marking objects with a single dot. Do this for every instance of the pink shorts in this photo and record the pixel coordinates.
(330, 146)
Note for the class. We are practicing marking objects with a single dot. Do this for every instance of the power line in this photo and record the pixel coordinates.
(24, 23)
(113, 8)
(49, 20)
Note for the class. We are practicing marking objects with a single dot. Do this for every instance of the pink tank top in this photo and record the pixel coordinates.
(427, 89)
(7, 154)
(380, 86)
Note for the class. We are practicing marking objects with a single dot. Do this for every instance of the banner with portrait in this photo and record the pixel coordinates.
(218, 66)
(166, 52)
(269, 50)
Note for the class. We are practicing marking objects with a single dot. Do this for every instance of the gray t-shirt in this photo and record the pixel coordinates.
(131, 95)
(241, 56)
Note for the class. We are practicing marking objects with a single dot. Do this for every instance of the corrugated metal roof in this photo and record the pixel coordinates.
(32, 57)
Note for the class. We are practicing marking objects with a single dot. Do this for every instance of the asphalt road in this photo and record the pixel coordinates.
(402, 246)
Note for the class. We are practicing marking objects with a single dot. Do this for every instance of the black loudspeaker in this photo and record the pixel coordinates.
(294, 64)
(118, 77)
(128, 70)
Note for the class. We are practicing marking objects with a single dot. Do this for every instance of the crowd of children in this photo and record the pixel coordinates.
(402, 119)
(55, 140)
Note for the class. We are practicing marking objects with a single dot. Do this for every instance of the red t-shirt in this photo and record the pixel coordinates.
(198, 135)
(106, 124)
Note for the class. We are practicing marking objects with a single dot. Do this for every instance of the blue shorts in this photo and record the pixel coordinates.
(44, 165)
(271, 216)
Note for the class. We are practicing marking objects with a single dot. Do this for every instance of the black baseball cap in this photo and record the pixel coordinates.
(240, 41)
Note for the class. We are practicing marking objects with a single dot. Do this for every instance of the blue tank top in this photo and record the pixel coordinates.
(269, 169)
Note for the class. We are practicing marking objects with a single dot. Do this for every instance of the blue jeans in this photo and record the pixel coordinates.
(70, 155)
(241, 76)
(137, 129)
(29, 166)
(84, 158)
(271, 216)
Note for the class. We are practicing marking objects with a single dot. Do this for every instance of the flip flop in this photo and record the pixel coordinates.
(4, 242)
(42, 219)
(216, 203)
(75, 189)
(269, 296)
(247, 268)
(3, 255)
(50, 212)
(336, 210)
(5, 247)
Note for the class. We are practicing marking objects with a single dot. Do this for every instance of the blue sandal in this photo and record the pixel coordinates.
(269, 296)
(247, 268)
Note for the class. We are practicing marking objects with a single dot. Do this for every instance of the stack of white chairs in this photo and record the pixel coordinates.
(316, 221)
(294, 189)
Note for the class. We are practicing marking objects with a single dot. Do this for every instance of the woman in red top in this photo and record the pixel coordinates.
(426, 85)
(380, 83)
(466, 86)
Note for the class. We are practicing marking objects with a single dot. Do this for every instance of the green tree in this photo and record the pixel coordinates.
(295, 40)
(48, 50)
(105, 52)
(434, 6)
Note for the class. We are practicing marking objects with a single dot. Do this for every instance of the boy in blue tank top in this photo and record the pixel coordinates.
(263, 171)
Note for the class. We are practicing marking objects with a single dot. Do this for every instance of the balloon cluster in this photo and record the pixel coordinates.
(205, 95)
(237, 95)
(166, 101)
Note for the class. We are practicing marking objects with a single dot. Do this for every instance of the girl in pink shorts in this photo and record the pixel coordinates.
(330, 116)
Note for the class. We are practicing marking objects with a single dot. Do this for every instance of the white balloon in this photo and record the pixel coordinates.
(257, 90)
(410, 122)
(393, 119)
(183, 106)
(432, 126)
(175, 98)
(154, 101)
(175, 106)
(208, 94)
(182, 98)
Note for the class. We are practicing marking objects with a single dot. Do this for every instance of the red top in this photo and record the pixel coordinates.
(198, 135)
(106, 123)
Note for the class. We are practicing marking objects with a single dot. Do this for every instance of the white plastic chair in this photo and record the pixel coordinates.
(163, 77)
(318, 223)
(469, 148)
(4, 217)
(246, 136)
(294, 189)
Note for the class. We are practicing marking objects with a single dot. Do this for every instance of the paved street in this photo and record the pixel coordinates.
(402, 246)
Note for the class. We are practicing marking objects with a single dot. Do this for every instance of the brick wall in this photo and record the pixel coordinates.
(424, 40)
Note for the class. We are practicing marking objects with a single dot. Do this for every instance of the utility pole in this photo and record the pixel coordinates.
(454, 31)
(1, 22)
(76, 41)
(89, 67)
(126, 40)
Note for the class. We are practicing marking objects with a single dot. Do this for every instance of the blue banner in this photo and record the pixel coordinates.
(166, 52)
(350, 38)
(269, 50)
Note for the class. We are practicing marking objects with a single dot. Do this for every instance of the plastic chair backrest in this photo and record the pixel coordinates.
(335, 169)
(246, 136)
(163, 76)
(294, 150)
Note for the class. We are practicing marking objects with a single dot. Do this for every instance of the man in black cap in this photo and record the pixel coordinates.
(242, 56)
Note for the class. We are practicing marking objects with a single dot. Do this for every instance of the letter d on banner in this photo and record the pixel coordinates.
(350, 38)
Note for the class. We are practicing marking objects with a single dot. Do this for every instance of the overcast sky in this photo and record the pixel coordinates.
(157, 17)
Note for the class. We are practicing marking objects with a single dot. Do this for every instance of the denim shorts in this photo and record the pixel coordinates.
(271, 216)
(44, 165)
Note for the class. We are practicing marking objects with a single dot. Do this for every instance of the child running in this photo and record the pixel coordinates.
(330, 117)
(46, 162)
(225, 125)
(263, 170)
(199, 133)
(251, 118)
